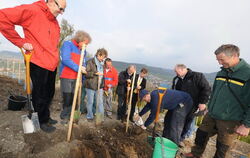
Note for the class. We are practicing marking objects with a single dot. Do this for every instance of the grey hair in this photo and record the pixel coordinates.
(182, 66)
(80, 36)
(130, 66)
(228, 50)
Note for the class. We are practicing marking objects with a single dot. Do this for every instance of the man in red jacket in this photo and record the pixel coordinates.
(110, 81)
(41, 35)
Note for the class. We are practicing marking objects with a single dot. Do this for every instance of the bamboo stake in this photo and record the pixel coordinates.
(130, 101)
(76, 93)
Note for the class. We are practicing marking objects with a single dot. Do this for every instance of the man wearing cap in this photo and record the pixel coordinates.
(41, 35)
(177, 102)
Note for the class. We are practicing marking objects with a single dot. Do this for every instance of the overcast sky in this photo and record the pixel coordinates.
(159, 33)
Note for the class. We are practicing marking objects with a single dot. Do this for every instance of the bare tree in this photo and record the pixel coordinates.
(67, 30)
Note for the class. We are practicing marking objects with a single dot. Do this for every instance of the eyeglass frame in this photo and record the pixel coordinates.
(59, 7)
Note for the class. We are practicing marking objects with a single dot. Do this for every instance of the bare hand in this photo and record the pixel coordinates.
(242, 130)
(99, 73)
(129, 80)
(28, 46)
(202, 107)
(138, 87)
(128, 88)
(83, 69)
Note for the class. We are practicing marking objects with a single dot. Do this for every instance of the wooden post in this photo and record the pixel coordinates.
(79, 74)
(130, 101)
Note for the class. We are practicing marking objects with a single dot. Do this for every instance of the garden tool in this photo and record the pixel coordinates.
(30, 122)
(78, 80)
(99, 115)
(160, 95)
(130, 101)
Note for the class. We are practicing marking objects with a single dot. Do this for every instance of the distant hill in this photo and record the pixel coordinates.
(10, 54)
(156, 74)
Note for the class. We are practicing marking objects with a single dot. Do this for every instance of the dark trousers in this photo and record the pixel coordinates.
(174, 122)
(225, 136)
(121, 110)
(134, 101)
(43, 82)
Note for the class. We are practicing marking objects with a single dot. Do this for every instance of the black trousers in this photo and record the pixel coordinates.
(122, 107)
(43, 82)
(134, 100)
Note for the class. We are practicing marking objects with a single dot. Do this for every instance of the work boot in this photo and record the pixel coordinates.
(47, 128)
(52, 122)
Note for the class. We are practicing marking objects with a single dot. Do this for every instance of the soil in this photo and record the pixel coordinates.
(88, 141)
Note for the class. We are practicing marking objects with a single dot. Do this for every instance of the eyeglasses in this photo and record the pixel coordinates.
(60, 8)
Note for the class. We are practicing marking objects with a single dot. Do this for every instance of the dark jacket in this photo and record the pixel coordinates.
(122, 82)
(91, 81)
(196, 85)
(170, 101)
(223, 105)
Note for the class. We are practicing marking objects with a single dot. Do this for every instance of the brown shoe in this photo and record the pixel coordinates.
(189, 155)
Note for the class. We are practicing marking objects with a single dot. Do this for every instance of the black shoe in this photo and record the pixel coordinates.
(52, 122)
(47, 128)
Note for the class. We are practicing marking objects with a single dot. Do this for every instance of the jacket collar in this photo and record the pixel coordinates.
(43, 5)
(236, 67)
(75, 43)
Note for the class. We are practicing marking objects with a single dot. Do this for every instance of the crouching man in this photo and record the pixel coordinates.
(177, 103)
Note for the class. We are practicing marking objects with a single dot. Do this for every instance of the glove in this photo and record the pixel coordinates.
(143, 127)
(136, 117)
(139, 122)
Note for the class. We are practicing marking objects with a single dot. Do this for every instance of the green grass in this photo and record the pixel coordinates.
(245, 139)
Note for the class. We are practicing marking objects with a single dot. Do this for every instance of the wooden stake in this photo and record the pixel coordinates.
(79, 74)
(130, 101)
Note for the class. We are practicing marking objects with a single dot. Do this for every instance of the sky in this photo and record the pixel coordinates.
(159, 33)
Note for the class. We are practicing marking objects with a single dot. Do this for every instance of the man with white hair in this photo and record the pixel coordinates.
(41, 37)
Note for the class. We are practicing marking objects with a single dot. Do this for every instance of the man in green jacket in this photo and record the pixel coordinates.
(229, 105)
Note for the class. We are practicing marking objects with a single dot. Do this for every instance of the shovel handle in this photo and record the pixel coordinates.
(27, 57)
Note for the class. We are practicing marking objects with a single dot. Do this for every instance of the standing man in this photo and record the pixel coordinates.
(42, 34)
(124, 80)
(198, 87)
(110, 81)
(229, 107)
(140, 84)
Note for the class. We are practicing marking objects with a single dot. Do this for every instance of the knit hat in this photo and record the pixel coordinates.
(143, 93)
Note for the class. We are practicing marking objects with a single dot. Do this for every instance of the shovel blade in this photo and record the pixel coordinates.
(99, 118)
(30, 125)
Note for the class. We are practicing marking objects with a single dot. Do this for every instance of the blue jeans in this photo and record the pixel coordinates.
(191, 130)
(91, 95)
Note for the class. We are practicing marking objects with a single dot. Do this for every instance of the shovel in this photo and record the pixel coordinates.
(99, 115)
(30, 122)
(160, 94)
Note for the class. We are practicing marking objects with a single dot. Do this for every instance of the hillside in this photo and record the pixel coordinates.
(156, 74)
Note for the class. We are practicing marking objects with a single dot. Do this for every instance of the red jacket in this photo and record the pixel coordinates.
(110, 77)
(40, 28)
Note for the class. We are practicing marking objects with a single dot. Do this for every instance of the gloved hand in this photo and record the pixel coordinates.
(143, 127)
(136, 117)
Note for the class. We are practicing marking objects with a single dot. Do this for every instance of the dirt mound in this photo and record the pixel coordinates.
(111, 140)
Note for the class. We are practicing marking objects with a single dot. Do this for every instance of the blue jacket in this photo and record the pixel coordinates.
(70, 58)
(170, 101)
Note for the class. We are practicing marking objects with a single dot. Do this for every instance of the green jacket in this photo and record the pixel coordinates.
(223, 105)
